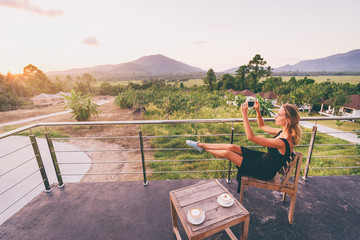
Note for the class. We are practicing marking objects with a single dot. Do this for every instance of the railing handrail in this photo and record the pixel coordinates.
(144, 122)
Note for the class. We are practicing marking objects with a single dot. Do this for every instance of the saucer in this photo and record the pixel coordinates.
(196, 222)
(225, 204)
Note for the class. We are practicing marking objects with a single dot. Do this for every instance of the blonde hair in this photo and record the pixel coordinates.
(292, 113)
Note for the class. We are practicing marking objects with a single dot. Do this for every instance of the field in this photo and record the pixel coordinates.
(125, 83)
(337, 79)
(199, 82)
(188, 160)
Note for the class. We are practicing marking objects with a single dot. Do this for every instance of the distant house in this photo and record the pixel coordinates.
(269, 96)
(62, 93)
(304, 107)
(49, 99)
(250, 96)
(352, 108)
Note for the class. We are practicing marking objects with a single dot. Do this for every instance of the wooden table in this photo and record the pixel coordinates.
(217, 218)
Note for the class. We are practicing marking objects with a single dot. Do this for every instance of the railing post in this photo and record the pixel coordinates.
(231, 142)
(142, 156)
(311, 146)
(54, 159)
(40, 163)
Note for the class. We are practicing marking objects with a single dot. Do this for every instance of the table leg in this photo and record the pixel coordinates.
(174, 220)
(231, 234)
(245, 230)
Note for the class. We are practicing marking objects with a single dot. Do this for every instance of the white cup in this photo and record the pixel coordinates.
(225, 198)
(195, 213)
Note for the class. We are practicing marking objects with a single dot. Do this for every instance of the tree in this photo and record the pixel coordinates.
(82, 106)
(311, 95)
(227, 82)
(88, 79)
(271, 84)
(338, 99)
(265, 107)
(125, 99)
(339, 123)
(210, 79)
(240, 78)
(240, 99)
(215, 100)
(171, 101)
(37, 80)
(248, 76)
(257, 70)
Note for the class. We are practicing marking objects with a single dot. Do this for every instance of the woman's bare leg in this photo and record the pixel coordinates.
(214, 146)
(234, 157)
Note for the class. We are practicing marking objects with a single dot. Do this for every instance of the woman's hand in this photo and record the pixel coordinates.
(257, 106)
(244, 109)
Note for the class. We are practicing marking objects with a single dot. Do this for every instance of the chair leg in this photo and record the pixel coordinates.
(292, 209)
(284, 197)
(242, 191)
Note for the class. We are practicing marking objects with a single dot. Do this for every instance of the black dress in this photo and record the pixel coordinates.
(262, 165)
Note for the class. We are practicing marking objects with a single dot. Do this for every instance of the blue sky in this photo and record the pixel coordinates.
(62, 34)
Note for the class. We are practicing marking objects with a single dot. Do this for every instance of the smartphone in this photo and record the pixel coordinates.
(251, 103)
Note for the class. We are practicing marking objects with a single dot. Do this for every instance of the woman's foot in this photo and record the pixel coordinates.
(193, 144)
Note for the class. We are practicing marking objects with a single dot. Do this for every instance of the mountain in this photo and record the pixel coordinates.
(343, 62)
(147, 65)
(231, 71)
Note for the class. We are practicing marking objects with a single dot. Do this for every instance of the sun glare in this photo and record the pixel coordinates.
(12, 69)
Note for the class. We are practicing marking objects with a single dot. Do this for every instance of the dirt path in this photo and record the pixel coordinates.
(109, 112)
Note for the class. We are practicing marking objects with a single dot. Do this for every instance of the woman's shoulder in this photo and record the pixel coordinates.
(289, 142)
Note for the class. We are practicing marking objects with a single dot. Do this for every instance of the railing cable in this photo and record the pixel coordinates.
(19, 182)
(15, 150)
(17, 166)
(22, 197)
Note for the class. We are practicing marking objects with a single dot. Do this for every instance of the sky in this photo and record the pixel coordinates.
(57, 35)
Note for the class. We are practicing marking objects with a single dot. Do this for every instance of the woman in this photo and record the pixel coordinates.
(261, 165)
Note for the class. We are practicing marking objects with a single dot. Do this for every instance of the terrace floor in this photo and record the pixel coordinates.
(327, 208)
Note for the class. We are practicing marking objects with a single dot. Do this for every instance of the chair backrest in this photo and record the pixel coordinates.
(287, 170)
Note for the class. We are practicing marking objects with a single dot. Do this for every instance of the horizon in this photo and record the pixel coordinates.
(57, 36)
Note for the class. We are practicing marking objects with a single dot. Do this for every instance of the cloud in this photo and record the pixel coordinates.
(201, 42)
(221, 25)
(91, 41)
(28, 6)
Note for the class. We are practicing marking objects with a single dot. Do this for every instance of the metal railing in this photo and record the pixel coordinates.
(53, 152)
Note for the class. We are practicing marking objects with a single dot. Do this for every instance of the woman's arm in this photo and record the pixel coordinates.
(261, 122)
(266, 142)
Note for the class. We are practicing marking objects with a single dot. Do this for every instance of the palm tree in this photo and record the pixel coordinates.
(265, 107)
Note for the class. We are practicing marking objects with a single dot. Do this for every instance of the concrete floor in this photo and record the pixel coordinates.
(326, 208)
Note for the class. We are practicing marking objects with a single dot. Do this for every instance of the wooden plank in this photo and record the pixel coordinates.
(231, 234)
(200, 196)
(177, 233)
(180, 214)
(291, 168)
(174, 215)
(274, 181)
(219, 216)
(245, 229)
(194, 188)
(218, 227)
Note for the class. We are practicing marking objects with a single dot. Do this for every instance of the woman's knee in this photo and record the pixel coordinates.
(235, 148)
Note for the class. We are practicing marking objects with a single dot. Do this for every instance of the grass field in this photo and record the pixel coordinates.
(346, 126)
(125, 83)
(206, 132)
(200, 82)
(338, 79)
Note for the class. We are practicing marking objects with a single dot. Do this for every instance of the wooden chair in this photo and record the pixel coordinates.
(278, 184)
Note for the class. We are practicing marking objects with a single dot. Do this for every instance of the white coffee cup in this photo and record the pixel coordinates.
(225, 198)
(195, 213)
